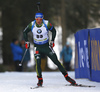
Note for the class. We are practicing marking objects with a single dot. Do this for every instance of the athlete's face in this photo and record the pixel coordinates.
(39, 20)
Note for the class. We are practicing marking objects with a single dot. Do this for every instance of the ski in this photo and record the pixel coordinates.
(36, 87)
(79, 85)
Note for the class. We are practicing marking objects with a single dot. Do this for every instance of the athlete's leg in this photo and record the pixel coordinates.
(51, 54)
(38, 68)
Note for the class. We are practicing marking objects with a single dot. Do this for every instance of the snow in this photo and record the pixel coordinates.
(53, 82)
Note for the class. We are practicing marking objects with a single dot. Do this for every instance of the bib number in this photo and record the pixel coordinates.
(39, 36)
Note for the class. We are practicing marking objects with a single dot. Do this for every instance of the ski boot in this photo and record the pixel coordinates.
(40, 81)
(70, 80)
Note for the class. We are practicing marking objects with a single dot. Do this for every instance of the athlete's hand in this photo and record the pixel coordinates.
(52, 44)
(27, 45)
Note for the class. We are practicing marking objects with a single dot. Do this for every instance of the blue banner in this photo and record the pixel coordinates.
(82, 66)
(95, 54)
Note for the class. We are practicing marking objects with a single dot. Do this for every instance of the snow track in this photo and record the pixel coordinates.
(53, 82)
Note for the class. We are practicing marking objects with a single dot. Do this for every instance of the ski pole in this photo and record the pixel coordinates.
(23, 57)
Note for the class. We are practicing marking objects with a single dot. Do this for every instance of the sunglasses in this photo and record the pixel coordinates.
(38, 18)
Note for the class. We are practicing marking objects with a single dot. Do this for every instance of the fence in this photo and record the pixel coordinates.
(87, 54)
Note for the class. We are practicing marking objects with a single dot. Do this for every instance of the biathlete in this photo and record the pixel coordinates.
(40, 28)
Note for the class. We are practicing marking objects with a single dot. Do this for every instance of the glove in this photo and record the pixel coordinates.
(27, 45)
(52, 44)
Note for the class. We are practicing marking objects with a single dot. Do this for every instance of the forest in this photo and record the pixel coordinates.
(71, 15)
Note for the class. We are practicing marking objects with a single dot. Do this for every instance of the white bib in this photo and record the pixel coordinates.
(40, 35)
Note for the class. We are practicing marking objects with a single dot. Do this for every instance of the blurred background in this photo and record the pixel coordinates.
(67, 16)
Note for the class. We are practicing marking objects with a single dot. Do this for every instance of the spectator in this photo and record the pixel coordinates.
(27, 56)
(66, 56)
(17, 54)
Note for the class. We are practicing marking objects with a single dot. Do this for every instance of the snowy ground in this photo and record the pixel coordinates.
(53, 82)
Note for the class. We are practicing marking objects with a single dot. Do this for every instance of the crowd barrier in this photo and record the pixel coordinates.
(87, 54)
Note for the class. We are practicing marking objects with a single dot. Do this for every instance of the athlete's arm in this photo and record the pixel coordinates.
(27, 29)
(53, 30)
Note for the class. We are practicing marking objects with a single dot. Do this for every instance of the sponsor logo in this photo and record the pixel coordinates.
(37, 57)
(39, 31)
